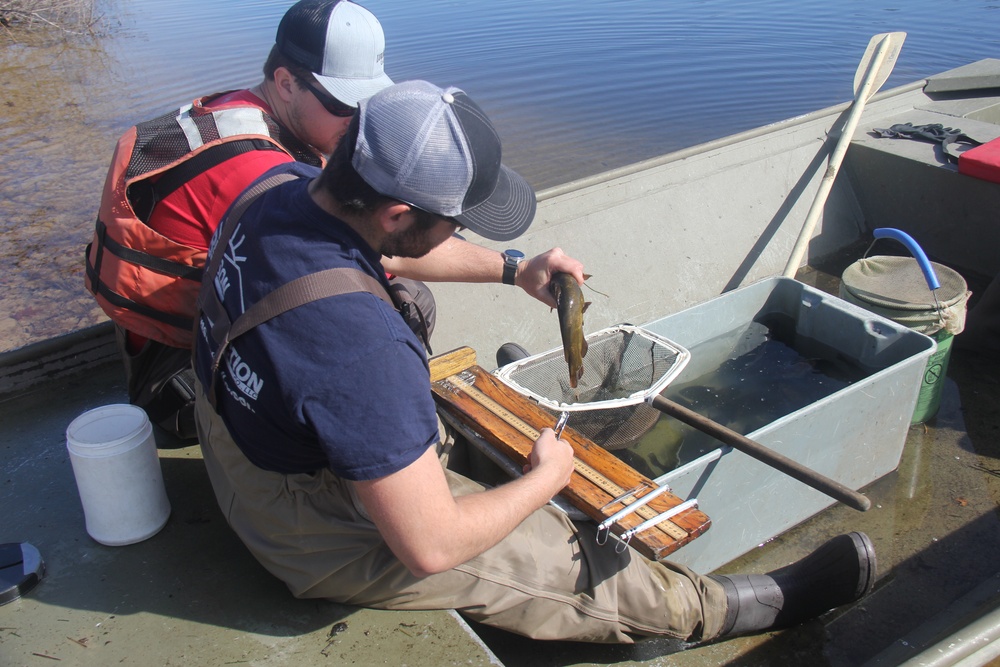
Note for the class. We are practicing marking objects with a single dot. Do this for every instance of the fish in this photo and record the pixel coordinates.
(571, 307)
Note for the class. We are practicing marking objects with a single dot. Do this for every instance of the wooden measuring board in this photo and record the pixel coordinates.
(601, 484)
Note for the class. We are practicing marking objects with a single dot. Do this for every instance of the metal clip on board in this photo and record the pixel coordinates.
(659, 518)
(604, 528)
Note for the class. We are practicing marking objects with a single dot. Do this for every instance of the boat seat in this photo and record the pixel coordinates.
(910, 185)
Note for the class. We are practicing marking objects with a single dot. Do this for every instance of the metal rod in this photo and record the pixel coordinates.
(659, 518)
(631, 492)
(807, 476)
(634, 507)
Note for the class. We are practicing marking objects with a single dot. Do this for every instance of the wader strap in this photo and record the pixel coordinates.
(411, 312)
(298, 292)
(306, 289)
(228, 226)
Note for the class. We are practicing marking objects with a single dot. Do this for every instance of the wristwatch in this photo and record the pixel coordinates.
(511, 258)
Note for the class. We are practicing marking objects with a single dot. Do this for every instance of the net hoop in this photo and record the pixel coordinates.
(514, 374)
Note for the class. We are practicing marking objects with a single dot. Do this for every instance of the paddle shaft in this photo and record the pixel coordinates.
(807, 476)
(837, 157)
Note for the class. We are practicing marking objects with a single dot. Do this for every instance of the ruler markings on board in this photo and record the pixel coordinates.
(585, 470)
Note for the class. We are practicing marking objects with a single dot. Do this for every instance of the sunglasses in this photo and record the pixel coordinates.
(330, 103)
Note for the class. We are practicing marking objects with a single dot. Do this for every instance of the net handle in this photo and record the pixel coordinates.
(779, 462)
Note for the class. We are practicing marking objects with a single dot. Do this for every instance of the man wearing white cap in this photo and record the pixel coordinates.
(173, 177)
(320, 434)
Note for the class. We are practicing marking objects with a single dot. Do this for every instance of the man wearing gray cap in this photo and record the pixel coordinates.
(320, 435)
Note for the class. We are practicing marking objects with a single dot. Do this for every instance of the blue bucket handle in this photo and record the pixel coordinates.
(918, 253)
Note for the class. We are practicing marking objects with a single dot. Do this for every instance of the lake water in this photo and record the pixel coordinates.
(575, 88)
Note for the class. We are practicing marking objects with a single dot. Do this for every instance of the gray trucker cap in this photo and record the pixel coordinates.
(435, 148)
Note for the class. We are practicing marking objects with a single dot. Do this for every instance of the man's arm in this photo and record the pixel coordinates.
(457, 260)
(431, 531)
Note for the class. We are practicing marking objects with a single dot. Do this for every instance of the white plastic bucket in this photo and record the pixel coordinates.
(118, 474)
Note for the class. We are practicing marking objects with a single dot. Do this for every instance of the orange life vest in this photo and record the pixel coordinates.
(144, 281)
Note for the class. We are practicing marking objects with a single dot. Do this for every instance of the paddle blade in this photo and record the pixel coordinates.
(894, 44)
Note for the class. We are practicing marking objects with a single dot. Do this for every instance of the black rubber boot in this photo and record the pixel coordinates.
(837, 573)
(509, 353)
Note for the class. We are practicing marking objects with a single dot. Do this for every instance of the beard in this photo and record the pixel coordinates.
(414, 241)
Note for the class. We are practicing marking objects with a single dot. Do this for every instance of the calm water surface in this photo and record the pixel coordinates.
(575, 88)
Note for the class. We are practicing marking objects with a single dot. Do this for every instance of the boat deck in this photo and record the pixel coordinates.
(193, 595)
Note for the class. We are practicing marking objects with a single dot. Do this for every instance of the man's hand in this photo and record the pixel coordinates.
(431, 531)
(457, 260)
(535, 274)
(551, 457)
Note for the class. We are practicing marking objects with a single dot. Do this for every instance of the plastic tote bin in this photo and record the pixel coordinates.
(917, 293)
(854, 435)
(118, 474)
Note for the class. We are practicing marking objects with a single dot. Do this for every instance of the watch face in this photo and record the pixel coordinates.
(511, 258)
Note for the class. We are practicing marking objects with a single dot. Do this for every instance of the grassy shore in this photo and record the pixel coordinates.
(22, 20)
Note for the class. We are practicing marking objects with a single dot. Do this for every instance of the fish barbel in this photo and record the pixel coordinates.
(571, 307)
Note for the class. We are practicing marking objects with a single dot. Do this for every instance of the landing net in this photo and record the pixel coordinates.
(623, 368)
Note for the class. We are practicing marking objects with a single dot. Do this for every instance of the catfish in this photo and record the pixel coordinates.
(571, 307)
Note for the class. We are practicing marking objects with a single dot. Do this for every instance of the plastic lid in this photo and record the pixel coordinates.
(896, 288)
(21, 568)
(898, 282)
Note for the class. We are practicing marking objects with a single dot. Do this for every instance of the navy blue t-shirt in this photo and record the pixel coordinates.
(341, 382)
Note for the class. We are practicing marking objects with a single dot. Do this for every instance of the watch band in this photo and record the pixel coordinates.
(511, 258)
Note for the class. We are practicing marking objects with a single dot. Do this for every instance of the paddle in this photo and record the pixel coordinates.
(874, 69)
(782, 463)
